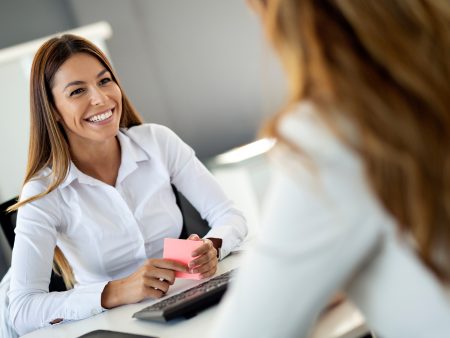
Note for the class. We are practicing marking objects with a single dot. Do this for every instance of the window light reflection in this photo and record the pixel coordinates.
(245, 152)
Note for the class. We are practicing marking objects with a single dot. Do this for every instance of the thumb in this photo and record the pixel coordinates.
(194, 237)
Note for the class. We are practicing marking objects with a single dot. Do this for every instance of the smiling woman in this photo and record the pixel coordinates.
(360, 199)
(98, 198)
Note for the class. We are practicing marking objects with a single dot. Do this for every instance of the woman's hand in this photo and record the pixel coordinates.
(205, 261)
(151, 280)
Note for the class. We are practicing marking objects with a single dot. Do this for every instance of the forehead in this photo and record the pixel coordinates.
(79, 67)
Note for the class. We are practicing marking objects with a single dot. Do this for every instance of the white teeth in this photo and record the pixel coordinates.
(100, 117)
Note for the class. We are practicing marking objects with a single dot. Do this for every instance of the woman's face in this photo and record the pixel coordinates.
(88, 101)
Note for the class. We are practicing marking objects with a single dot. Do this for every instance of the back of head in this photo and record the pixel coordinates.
(384, 65)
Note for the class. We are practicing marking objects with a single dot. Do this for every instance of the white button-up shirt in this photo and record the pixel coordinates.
(107, 232)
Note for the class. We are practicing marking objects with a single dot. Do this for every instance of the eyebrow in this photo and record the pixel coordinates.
(75, 83)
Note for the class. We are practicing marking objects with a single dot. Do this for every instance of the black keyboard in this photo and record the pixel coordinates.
(188, 303)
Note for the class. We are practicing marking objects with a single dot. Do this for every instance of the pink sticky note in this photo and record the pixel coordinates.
(180, 250)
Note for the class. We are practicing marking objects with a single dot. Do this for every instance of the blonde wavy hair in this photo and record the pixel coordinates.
(385, 66)
(48, 146)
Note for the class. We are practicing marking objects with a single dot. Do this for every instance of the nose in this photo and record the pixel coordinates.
(98, 98)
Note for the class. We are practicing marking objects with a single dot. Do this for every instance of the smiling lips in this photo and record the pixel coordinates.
(100, 117)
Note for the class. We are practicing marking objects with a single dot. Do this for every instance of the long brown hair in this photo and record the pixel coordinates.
(385, 66)
(48, 146)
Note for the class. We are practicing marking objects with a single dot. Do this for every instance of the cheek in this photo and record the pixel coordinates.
(118, 97)
(65, 112)
(118, 94)
(61, 110)
(69, 112)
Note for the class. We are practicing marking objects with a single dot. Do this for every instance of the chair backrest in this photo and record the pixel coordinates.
(8, 220)
(8, 223)
(192, 223)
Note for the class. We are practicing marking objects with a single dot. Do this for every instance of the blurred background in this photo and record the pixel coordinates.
(200, 67)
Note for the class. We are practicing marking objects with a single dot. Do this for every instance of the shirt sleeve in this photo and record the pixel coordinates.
(202, 190)
(311, 242)
(31, 305)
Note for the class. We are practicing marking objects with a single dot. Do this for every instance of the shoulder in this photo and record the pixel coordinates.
(149, 131)
(306, 130)
(321, 160)
(46, 207)
(155, 136)
(37, 184)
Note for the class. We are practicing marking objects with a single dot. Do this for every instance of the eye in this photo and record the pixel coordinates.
(105, 81)
(76, 91)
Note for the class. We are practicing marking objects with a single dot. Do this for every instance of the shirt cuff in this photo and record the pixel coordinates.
(229, 240)
(88, 301)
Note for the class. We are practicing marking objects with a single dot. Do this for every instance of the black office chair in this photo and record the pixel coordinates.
(192, 223)
(8, 220)
(8, 223)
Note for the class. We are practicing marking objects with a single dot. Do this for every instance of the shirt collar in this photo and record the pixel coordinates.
(131, 154)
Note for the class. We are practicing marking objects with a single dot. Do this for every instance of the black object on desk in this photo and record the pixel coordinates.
(188, 303)
(112, 334)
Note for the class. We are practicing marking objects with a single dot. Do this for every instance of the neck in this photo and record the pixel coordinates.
(100, 160)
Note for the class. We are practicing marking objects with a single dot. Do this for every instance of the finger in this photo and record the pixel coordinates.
(168, 264)
(161, 274)
(204, 263)
(205, 267)
(209, 273)
(194, 237)
(203, 259)
(206, 246)
(150, 292)
(157, 284)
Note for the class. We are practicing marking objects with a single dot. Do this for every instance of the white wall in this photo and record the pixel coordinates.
(14, 128)
(25, 20)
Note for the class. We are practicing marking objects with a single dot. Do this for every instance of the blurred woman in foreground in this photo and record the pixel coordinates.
(361, 198)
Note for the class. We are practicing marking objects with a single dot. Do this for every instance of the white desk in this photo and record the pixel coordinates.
(343, 321)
